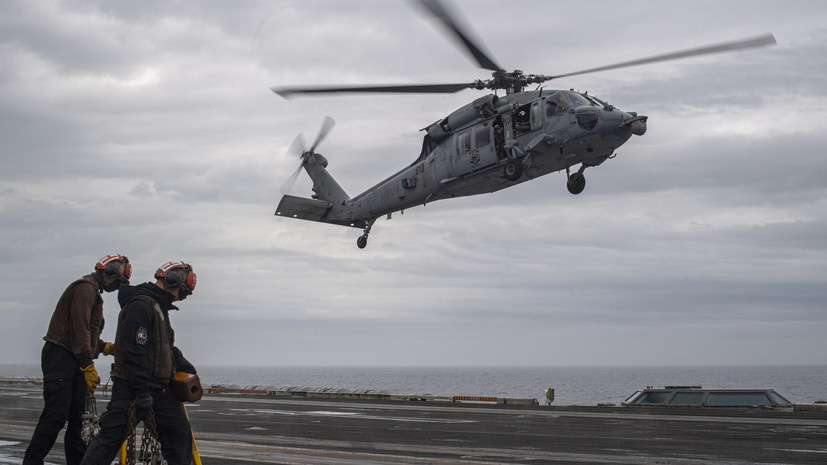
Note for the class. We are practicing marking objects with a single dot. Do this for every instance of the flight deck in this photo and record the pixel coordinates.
(256, 428)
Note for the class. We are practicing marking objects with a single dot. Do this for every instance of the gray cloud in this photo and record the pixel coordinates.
(149, 129)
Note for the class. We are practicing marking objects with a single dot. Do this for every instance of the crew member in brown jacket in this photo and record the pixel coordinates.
(146, 360)
(72, 343)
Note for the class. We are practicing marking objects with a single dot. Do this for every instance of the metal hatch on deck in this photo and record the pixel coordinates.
(696, 396)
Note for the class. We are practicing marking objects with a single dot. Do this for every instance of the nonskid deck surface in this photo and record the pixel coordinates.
(256, 429)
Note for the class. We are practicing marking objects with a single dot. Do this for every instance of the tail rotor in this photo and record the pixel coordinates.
(299, 149)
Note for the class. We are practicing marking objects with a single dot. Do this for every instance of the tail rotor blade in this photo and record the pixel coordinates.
(298, 147)
(327, 125)
(287, 187)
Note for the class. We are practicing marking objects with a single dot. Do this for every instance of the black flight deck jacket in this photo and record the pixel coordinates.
(145, 352)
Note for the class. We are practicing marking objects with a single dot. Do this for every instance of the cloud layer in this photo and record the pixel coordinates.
(149, 130)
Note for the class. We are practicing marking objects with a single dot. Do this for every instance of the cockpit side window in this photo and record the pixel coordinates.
(536, 116)
(556, 104)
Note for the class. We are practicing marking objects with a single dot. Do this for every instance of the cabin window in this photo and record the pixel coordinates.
(521, 120)
(464, 142)
(482, 136)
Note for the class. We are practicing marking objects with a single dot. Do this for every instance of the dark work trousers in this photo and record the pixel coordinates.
(173, 428)
(64, 396)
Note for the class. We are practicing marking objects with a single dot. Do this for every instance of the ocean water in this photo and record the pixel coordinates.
(572, 385)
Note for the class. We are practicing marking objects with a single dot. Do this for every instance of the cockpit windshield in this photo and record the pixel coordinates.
(578, 100)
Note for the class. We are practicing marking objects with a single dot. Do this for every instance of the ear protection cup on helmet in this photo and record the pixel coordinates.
(110, 265)
(177, 274)
(112, 268)
(173, 278)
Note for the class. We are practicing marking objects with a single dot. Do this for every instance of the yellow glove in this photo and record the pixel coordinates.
(108, 348)
(91, 375)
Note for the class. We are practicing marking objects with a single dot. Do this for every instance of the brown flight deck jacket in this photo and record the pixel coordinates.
(78, 320)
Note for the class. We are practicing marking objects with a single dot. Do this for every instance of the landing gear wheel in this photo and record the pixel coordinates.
(362, 242)
(576, 183)
(513, 170)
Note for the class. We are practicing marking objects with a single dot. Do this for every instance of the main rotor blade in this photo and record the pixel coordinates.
(438, 9)
(288, 92)
(767, 39)
(327, 125)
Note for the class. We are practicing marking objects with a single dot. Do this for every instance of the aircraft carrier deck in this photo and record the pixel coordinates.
(261, 429)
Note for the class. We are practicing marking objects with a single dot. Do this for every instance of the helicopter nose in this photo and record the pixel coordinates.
(637, 124)
(638, 127)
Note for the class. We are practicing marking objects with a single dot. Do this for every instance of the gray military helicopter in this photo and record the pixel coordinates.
(494, 142)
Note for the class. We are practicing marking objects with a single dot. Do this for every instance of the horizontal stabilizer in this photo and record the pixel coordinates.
(302, 208)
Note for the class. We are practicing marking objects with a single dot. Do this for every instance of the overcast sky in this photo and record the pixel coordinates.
(148, 129)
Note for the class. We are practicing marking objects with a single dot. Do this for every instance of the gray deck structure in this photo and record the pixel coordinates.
(257, 429)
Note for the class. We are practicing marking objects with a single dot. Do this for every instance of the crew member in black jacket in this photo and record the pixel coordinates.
(146, 360)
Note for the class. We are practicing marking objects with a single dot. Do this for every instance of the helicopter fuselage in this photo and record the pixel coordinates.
(488, 145)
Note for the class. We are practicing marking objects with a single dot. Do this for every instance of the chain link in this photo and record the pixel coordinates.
(150, 453)
(89, 420)
(130, 435)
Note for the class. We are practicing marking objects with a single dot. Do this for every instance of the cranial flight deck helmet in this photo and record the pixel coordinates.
(114, 271)
(177, 275)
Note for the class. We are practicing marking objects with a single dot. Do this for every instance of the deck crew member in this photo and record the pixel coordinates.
(72, 343)
(146, 359)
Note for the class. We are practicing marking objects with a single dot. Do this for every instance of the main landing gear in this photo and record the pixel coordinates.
(513, 169)
(362, 241)
(576, 182)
